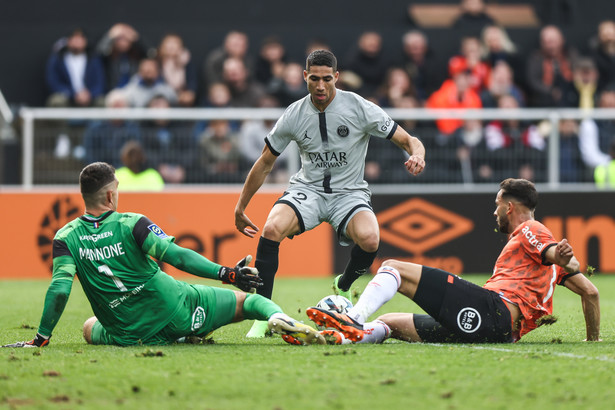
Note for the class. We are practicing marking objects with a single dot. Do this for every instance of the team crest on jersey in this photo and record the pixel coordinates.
(157, 231)
(198, 318)
(468, 320)
(343, 131)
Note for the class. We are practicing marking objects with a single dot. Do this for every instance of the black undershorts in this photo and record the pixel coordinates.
(459, 311)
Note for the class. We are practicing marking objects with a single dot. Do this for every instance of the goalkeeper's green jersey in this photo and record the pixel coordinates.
(129, 294)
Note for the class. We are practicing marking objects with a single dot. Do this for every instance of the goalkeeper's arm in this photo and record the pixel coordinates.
(241, 276)
(189, 261)
(55, 302)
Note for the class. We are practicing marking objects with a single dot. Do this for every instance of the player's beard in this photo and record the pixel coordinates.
(503, 224)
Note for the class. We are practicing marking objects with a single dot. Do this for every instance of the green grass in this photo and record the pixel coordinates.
(550, 367)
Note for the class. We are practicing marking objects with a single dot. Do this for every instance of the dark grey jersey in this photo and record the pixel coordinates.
(333, 143)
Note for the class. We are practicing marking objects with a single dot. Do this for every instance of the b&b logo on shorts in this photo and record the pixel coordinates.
(198, 318)
(468, 320)
(157, 231)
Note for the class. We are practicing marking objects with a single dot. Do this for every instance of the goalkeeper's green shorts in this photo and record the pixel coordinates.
(205, 309)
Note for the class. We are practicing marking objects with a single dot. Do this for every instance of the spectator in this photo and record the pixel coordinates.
(103, 140)
(604, 54)
(219, 154)
(121, 49)
(271, 61)
(604, 174)
(410, 124)
(170, 145)
(134, 175)
(252, 140)
(73, 77)
(497, 46)
(419, 62)
(218, 96)
(454, 93)
(397, 85)
(290, 87)
(549, 69)
(471, 58)
(466, 142)
(244, 91)
(500, 84)
(368, 61)
(582, 91)
(571, 166)
(147, 84)
(511, 148)
(472, 19)
(235, 45)
(595, 136)
(382, 163)
(177, 69)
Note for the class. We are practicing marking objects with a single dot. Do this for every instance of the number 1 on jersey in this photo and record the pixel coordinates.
(107, 271)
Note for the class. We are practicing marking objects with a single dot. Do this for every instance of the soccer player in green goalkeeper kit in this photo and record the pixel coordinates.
(133, 300)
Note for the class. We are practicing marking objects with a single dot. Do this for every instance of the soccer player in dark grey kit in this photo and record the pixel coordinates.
(332, 129)
(133, 300)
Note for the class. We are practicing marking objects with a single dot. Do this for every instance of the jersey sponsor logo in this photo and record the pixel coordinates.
(343, 131)
(468, 320)
(305, 137)
(106, 252)
(531, 238)
(387, 124)
(328, 159)
(157, 231)
(198, 318)
(96, 237)
(116, 302)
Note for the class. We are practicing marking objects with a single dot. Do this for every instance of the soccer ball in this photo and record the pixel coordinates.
(336, 303)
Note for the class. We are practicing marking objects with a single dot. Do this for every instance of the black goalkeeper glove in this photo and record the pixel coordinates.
(38, 341)
(241, 276)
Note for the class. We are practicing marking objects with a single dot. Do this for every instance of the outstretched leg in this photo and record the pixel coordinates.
(392, 277)
(402, 326)
(281, 223)
(263, 309)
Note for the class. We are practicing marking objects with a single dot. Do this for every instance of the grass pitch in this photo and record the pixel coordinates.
(551, 367)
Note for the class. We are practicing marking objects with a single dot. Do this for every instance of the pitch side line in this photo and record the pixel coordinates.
(501, 349)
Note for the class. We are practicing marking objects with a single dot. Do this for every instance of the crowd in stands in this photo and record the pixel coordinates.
(488, 71)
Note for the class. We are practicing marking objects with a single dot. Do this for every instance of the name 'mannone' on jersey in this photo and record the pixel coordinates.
(106, 252)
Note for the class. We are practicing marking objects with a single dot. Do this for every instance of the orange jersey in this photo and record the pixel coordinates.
(522, 276)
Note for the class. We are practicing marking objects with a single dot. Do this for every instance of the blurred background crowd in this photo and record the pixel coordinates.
(486, 70)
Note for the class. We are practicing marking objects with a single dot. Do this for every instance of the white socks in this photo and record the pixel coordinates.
(375, 332)
(379, 290)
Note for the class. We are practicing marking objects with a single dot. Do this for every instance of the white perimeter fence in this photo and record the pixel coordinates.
(34, 120)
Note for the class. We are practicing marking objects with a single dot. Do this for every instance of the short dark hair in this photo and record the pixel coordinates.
(321, 58)
(521, 190)
(95, 176)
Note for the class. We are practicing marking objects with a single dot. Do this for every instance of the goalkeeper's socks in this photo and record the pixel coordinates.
(378, 291)
(267, 264)
(259, 307)
(359, 263)
(375, 332)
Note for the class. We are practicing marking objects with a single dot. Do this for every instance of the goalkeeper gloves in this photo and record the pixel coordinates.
(38, 341)
(241, 276)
